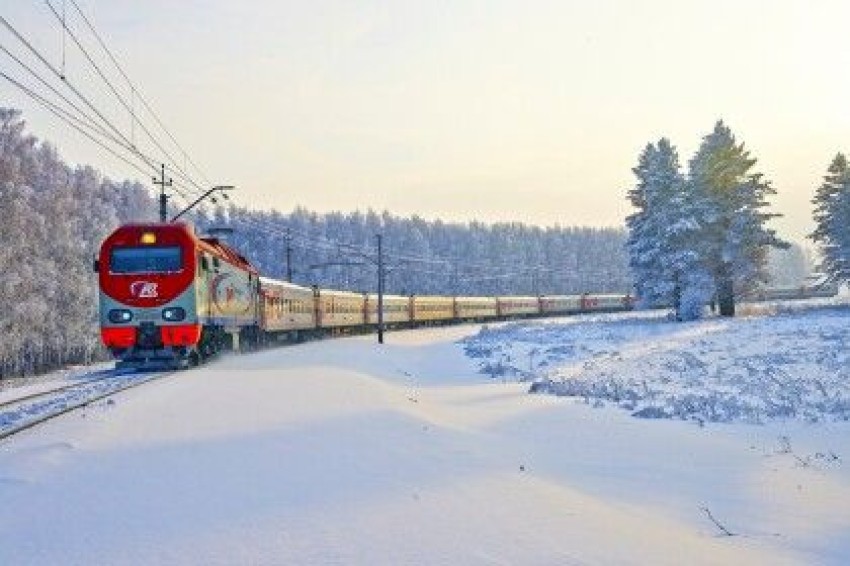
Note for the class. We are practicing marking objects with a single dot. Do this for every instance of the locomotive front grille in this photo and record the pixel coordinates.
(149, 336)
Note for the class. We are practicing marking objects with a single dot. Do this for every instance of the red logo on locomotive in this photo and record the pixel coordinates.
(144, 289)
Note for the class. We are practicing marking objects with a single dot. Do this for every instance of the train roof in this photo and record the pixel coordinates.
(374, 297)
(283, 284)
(219, 248)
(338, 293)
(209, 244)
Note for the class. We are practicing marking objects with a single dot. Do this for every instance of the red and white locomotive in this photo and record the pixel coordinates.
(169, 298)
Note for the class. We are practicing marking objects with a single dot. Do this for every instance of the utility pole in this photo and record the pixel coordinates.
(288, 256)
(380, 290)
(163, 198)
(455, 281)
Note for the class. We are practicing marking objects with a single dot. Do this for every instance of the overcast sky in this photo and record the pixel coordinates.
(490, 110)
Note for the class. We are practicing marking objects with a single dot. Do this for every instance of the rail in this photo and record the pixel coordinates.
(26, 412)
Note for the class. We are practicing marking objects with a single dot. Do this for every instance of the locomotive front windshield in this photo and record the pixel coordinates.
(146, 259)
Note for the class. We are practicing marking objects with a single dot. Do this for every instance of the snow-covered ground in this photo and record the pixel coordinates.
(775, 365)
(344, 452)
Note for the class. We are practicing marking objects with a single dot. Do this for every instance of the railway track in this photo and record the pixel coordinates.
(28, 411)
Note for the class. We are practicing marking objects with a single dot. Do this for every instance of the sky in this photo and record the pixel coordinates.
(491, 110)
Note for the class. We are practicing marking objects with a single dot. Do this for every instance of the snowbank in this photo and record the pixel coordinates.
(752, 369)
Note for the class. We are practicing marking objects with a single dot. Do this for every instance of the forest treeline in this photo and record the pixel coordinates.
(54, 217)
(426, 257)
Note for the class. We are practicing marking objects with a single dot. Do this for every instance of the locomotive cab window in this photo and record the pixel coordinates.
(146, 259)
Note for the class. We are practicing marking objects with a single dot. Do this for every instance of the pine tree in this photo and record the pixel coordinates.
(730, 200)
(652, 248)
(832, 219)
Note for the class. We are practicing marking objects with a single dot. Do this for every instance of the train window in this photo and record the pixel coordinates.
(146, 259)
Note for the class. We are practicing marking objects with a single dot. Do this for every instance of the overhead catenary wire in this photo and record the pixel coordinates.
(81, 120)
(134, 90)
(69, 119)
(64, 79)
(315, 241)
(87, 117)
(323, 244)
(117, 137)
(307, 240)
(75, 90)
(76, 123)
(174, 165)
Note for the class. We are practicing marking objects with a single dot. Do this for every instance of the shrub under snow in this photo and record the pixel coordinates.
(788, 366)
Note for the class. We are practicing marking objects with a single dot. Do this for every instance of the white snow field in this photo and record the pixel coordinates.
(345, 452)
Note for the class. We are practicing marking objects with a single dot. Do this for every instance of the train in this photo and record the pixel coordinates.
(170, 298)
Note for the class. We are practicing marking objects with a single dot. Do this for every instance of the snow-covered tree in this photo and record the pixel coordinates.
(428, 257)
(54, 219)
(650, 245)
(664, 235)
(832, 219)
(730, 201)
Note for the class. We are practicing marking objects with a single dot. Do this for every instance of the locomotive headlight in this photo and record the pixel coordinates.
(120, 315)
(173, 314)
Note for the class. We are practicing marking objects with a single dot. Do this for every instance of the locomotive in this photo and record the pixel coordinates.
(169, 298)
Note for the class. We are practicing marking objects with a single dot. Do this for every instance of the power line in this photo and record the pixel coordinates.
(55, 91)
(124, 143)
(323, 244)
(135, 90)
(76, 123)
(91, 122)
(70, 120)
(61, 77)
(87, 122)
(73, 89)
(175, 166)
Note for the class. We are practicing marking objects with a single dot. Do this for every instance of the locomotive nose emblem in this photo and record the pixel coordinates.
(143, 289)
